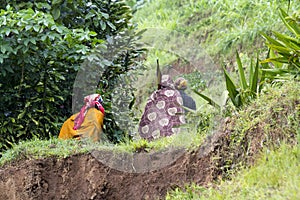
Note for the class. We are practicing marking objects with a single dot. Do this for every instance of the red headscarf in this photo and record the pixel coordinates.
(90, 102)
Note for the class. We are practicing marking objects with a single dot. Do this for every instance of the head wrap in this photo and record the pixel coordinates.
(167, 82)
(180, 83)
(90, 102)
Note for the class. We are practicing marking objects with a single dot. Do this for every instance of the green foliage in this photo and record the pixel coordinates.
(287, 49)
(37, 148)
(284, 49)
(245, 91)
(275, 176)
(118, 68)
(209, 100)
(38, 61)
(195, 80)
(40, 58)
(101, 16)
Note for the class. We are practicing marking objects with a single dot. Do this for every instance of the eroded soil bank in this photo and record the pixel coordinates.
(89, 177)
(84, 177)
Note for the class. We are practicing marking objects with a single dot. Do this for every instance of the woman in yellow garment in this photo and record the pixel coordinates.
(88, 123)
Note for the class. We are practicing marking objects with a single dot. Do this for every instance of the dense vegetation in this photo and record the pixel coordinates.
(44, 45)
(254, 44)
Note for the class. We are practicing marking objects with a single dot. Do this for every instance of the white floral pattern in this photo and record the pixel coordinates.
(156, 134)
(182, 119)
(166, 104)
(164, 122)
(172, 111)
(169, 93)
(152, 116)
(145, 129)
(164, 78)
(161, 104)
(179, 100)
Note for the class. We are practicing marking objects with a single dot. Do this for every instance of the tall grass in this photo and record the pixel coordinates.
(220, 27)
(275, 176)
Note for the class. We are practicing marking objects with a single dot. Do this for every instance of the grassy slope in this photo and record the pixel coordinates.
(36, 148)
(276, 174)
(202, 25)
(221, 27)
(216, 28)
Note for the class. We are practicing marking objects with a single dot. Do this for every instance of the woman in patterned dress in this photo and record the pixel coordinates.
(163, 112)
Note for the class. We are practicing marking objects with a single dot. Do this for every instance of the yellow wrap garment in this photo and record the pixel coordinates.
(91, 127)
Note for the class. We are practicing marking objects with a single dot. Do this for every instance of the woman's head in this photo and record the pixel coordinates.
(166, 81)
(180, 83)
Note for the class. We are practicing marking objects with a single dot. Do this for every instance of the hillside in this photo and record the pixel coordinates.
(266, 123)
(245, 131)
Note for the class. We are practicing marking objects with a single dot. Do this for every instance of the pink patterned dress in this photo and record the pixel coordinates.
(163, 112)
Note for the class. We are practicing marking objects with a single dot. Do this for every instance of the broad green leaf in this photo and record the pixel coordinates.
(7, 32)
(28, 27)
(111, 25)
(105, 15)
(254, 78)
(276, 71)
(56, 2)
(280, 49)
(27, 104)
(251, 73)
(26, 41)
(36, 28)
(33, 41)
(285, 38)
(243, 81)
(55, 13)
(292, 26)
(93, 33)
(21, 115)
(271, 40)
(232, 90)
(9, 69)
(273, 55)
(209, 100)
(90, 15)
(276, 60)
(35, 121)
